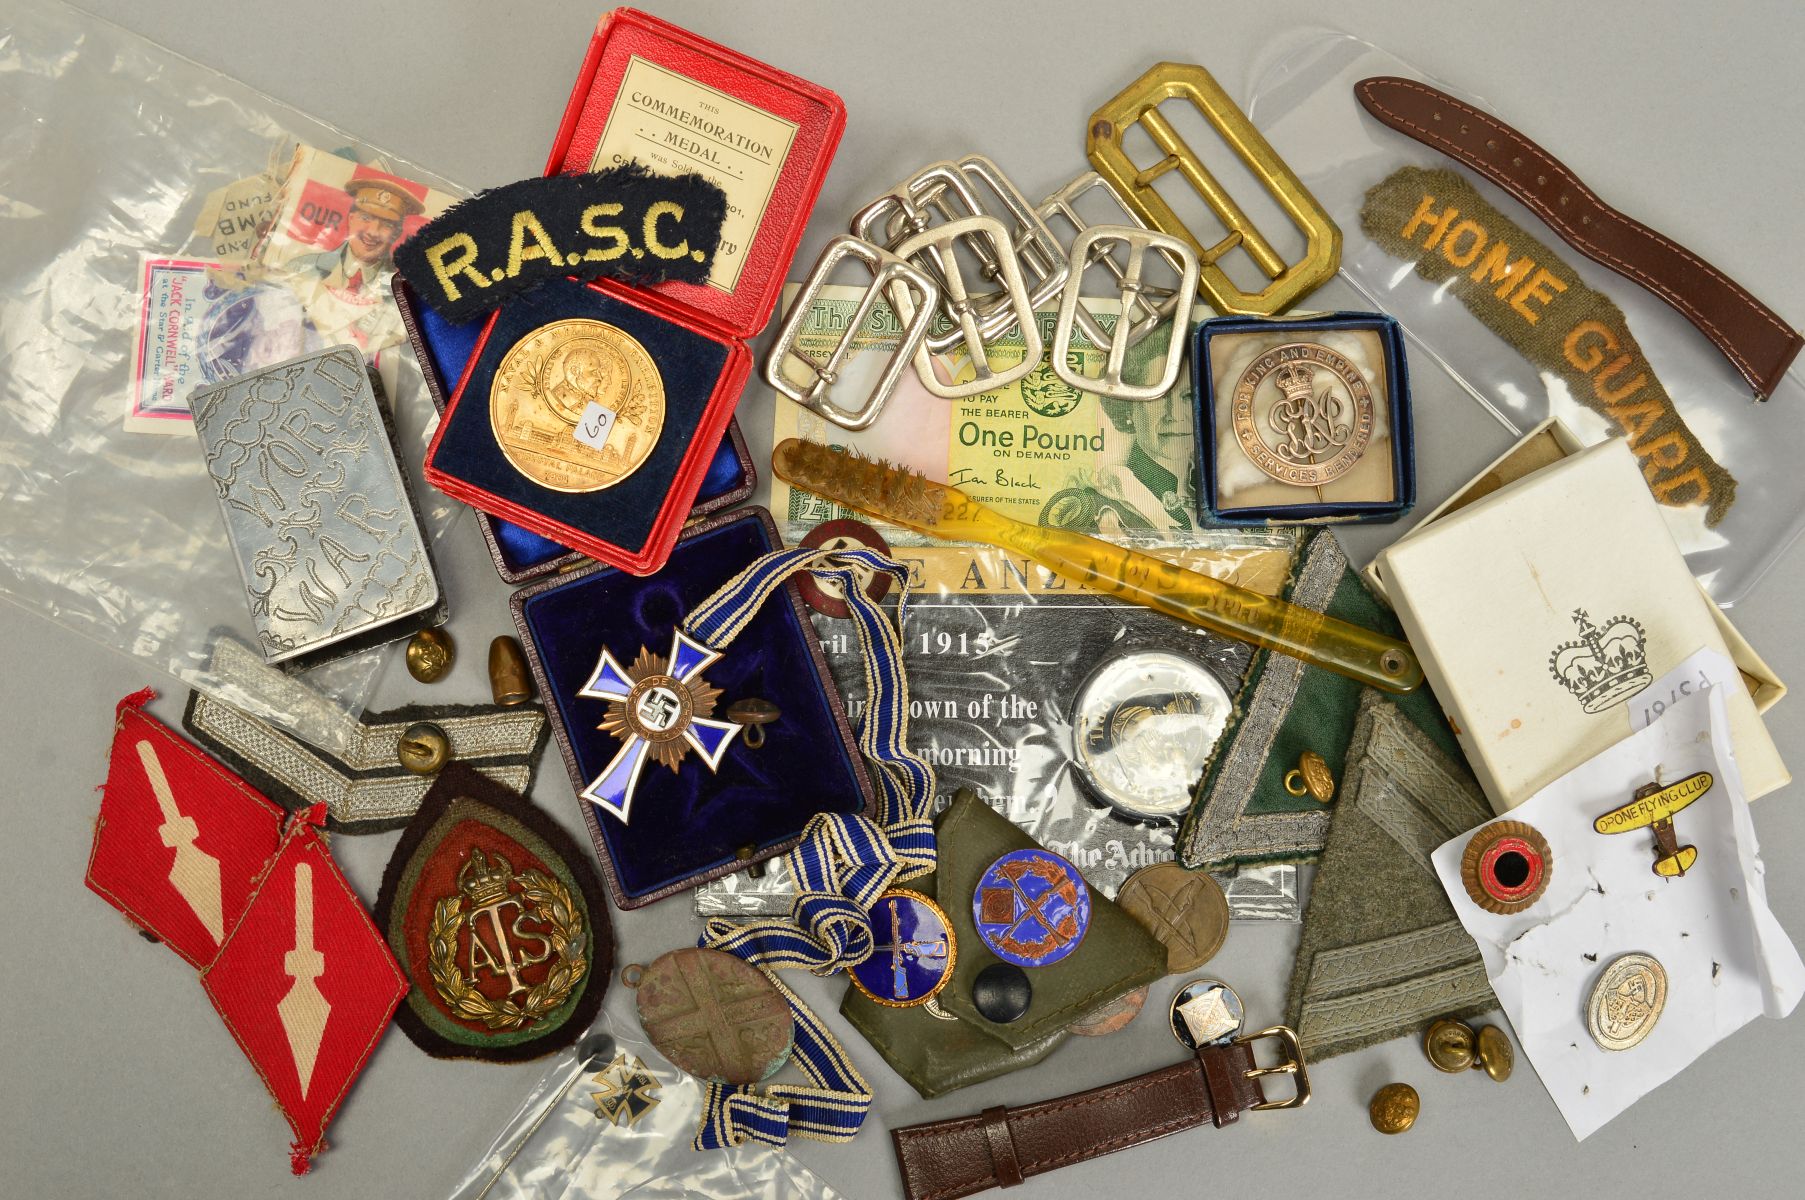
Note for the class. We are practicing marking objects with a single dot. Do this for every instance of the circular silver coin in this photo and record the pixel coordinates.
(1143, 727)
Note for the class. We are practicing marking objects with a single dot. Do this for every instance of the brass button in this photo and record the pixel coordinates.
(1450, 1045)
(429, 655)
(1394, 1108)
(509, 683)
(424, 748)
(1495, 1055)
(1311, 777)
(753, 713)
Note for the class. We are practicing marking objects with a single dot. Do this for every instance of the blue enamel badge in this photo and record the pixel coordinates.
(912, 953)
(1031, 908)
(659, 708)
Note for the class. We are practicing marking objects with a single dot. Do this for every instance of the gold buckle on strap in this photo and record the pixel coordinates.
(957, 302)
(911, 295)
(1139, 104)
(945, 192)
(1293, 1065)
(1093, 241)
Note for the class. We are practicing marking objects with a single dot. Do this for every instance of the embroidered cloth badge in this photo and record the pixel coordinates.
(306, 985)
(628, 223)
(179, 839)
(497, 919)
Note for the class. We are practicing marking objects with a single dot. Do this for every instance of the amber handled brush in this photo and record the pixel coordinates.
(905, 498)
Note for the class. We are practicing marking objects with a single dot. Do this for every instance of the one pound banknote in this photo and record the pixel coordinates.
(1038, 450)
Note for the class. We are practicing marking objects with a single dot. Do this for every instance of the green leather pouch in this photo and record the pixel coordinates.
(935, 1055)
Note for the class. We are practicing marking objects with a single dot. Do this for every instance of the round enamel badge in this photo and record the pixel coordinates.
(912, 951)
(826, 597)
(1031, 908)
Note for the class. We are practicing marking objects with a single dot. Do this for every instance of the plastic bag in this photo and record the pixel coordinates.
(613, 1120)
(1303, 101)
(996, 649)
(155, 217)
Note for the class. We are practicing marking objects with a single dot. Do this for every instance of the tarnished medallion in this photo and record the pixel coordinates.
(711, 1014)
(577, 405)
(1145, 723)
(1205, 1012)
(1626, 1001)
(1394, 1108)
(1185, 910)
(1031, 907)
(913, 951)
(1303, 413)
(1111, 1017)
(660, 708)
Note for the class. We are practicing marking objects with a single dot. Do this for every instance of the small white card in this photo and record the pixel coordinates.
(595, 426)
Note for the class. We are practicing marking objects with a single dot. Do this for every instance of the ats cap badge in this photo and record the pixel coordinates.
(660, 708)
(1031, 907)
(912, 954)
(498, 921)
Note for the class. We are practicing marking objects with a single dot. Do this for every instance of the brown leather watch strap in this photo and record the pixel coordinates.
(1751, 335)
(1001, 1147)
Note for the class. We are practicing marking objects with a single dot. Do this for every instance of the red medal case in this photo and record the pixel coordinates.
(813, 118)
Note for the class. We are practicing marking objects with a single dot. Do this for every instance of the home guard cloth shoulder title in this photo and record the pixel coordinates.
(625, 223)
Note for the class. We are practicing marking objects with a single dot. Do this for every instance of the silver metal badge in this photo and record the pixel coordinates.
(910, 294)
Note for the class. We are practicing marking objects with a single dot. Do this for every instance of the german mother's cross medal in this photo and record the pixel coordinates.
(720, 1019)
(1303, 414)
(497, 918)
(912, 951)
(180, 840)
(1653, 808)
(305, 984)
(660, 709)
(1031, 907)
(577, 405)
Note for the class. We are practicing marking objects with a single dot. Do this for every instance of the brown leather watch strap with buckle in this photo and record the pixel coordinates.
(1001, 1147)
(1751, 335)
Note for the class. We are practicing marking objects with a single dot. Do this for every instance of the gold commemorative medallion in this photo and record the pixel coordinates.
(577, 406)
(1303, 413)
(1626, 1001)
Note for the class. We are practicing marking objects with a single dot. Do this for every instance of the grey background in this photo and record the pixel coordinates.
(119, 1078)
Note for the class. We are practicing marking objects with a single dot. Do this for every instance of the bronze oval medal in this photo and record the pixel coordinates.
(718, 1018)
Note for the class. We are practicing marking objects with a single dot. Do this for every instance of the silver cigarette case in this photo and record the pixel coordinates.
(317, 508)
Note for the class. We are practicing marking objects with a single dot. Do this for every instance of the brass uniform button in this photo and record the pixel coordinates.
(1495, 1055)
(509, 683)
(1450, 1045)
(429, 655)
(1394, 1108)
(424, 748)
(754, 714)
(1311, 777)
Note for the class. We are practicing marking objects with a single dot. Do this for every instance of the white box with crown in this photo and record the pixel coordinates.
(1549, 614)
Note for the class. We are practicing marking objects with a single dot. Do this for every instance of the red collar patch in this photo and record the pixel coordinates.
(180, 839)
(306, 985)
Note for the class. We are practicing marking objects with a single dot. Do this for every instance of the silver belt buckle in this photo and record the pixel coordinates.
(1158, 302)
(957, 302)
(1093, 242)
(946, 192)
(912, 296)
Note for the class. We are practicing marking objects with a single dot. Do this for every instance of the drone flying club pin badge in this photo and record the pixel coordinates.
(660, 708)
(1653, 808)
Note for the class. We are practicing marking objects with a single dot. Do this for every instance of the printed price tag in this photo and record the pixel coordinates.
(595, 426)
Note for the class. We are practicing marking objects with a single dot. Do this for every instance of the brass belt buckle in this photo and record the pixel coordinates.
(959, 305)
(1292, 1065)
(1139, 104)
(1093, 242)
(912, 296)
(1062, 205)
(945, 192)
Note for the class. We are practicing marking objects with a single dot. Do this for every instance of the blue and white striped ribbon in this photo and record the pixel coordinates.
(842, 865)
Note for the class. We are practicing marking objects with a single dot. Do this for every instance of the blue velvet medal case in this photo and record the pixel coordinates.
(693, 825)
(444, 351)
(1212, 335)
